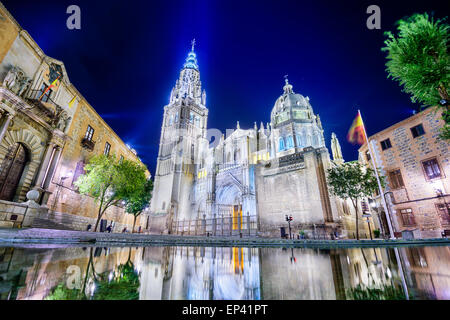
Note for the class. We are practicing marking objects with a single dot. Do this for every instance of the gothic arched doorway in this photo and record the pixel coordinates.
(11, 170)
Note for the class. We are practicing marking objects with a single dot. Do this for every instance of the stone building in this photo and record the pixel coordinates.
(244, 182)
(48, 131)
(416, 164)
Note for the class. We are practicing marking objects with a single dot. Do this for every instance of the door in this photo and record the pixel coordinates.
(11, 171)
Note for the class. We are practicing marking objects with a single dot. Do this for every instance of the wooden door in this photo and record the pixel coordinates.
(11, 171)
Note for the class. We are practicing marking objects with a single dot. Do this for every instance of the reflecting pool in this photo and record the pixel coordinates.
(204, 273)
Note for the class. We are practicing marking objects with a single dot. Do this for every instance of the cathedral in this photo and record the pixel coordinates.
(248, 182)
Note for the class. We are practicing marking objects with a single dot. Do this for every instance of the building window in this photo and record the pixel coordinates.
(289, 142)
(368, 156)
(386, 144)
(431, 168)
(417, 131)
(89, 133)
(444, 213)
(407, 217)
(281, 146)
(395, 177)
(47, 94)
(107, 148)
(191, 117)
(121, 159)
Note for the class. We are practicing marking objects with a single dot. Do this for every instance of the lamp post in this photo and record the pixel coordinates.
(289, 219)
(63, 177)
(367, 216)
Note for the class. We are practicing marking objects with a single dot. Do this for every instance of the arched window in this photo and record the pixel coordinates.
(299, 141)
(289, 142)
(281, 145)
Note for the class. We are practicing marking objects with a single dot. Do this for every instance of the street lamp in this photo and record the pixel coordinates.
(289, 219)
(367, 216)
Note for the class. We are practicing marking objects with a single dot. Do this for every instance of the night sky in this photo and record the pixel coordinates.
(128, 54)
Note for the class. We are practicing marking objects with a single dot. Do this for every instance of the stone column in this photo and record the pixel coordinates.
(5, 126)
(52, 168)
(49, 174)
(48, 157)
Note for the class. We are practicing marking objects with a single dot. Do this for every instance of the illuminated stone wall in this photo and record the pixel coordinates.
(407, 154)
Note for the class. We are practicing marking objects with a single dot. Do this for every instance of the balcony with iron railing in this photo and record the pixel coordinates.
(44, 104)
(88, 144)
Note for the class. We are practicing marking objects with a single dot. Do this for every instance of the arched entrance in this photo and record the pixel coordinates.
(11, 170)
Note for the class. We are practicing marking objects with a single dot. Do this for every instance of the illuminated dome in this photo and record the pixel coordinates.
(291, 106)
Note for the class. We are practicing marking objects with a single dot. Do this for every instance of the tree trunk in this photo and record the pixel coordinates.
(134, 223)
(98, 220)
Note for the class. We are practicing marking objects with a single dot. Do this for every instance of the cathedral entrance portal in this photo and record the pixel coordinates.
(237, 217)
(11, 171)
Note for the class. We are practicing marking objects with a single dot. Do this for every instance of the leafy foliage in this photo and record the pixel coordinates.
(110, 181)
(353, 181)
(124, 286)
(386, 292)
(61, 292)
(418, 58)
(138, 201)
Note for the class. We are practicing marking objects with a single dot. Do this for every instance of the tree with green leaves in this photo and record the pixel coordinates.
(353, 181)
(110, 181)
(418, 58)
(139, 201)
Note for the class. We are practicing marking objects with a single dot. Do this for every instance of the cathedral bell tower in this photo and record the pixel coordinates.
(183, 134)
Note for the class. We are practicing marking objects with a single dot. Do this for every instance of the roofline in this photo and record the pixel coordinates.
(417, 115)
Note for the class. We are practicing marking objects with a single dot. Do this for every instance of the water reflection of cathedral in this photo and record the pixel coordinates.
(167, 273)
(199, 273)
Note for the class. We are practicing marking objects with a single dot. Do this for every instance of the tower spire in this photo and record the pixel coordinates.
(191, 60)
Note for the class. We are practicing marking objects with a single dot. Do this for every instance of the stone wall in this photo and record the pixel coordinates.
(9, 30)
(12, 214)
(291, 190)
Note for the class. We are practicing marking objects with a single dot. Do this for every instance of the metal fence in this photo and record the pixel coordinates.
(222, 225)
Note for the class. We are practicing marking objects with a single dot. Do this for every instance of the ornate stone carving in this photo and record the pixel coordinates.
(17, 81)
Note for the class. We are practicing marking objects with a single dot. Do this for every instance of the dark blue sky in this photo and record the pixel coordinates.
(128, 54)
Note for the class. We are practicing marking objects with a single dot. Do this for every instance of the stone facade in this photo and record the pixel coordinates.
(250, 177)
(44, 140)
(416, 164)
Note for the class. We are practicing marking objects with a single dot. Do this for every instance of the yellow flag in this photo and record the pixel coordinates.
(72, 102)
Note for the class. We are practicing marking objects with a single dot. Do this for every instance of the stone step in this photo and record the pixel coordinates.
(48, 224)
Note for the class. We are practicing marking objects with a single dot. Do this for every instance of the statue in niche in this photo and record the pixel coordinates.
(16, 81)
(24, 85)
(10, 79)
(63, 121)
